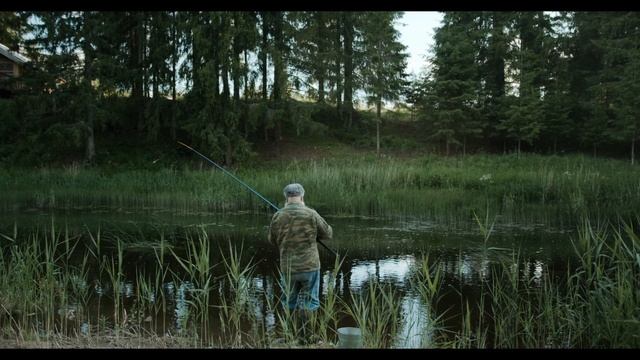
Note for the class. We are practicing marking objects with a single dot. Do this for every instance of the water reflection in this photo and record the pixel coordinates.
(533, 271)
(393, 269)
(380, 250)
(414, 331)
(459, 268)
(469, 267)
(126, 289)
(182, 305)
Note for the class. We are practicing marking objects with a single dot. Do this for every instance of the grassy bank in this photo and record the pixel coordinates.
(529, 189)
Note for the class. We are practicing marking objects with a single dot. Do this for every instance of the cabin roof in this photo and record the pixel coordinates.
(12, 55)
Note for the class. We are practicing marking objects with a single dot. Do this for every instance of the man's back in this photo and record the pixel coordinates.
(294, 229)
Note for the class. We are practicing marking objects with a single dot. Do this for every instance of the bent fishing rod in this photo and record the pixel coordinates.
(248, 187)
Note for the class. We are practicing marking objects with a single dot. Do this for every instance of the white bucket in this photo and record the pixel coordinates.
(349, 337)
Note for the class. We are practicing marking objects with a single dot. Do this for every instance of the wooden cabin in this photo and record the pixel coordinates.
(11, 67)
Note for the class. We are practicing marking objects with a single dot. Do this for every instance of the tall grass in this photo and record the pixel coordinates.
(595, 304)
(376, 311)
(325, 321)
(49, 280)
(236, 303)
(529, 189)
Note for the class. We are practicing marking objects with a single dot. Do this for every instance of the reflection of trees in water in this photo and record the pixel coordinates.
(414, 328)
(387, 255)
(464, 273)
(393, 270)
(181, 310)
(477, 268)
(264, 301)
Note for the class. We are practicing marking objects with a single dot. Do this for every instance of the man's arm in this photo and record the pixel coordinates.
(325, 232)
(273, 235)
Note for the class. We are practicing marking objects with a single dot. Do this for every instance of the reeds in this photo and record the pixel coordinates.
(49, 281)
(529, 189)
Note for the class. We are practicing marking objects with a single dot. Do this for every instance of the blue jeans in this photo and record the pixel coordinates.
(305, 285)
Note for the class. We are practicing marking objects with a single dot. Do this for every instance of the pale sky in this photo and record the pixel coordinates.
(417, 34)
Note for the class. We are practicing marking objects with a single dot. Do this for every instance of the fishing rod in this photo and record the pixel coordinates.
(247, 186)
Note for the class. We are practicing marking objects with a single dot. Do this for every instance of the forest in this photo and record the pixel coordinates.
(494, 82)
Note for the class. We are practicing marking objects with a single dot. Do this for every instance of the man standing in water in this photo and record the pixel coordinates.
(295, 230)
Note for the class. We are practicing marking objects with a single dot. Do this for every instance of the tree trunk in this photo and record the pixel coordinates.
(224, 57)
(229, 154)
(236, 80)
(225, 77)
(263, 69)
(555, 146)
(338, 88)
(195, 63)
(155, 83)
(279, 73)
(145, 68)
(633, 148)
(90, 151)
(279, 76)
(137, 86)
(464, 146)
(245, 75)
(447, 147)
(245, 108)
(378, 112)
(216, 79)
(321, 90)
(263, 57)
(348, 68)
(497, 62)
(595, 153)
(89, 101)
(338, 67)
(518, 148)
(321, 55)
(236, 60)
(154, 31)
(174, 76)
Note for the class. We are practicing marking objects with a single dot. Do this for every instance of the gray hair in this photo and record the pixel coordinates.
(292, 190)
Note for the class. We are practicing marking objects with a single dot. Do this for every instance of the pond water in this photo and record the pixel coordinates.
(383, 250)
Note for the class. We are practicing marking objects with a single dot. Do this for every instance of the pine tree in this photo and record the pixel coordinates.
(453, 98)
(385, 62)
(588, 99)
(620, 75)
(523, 110)
(13, 27)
